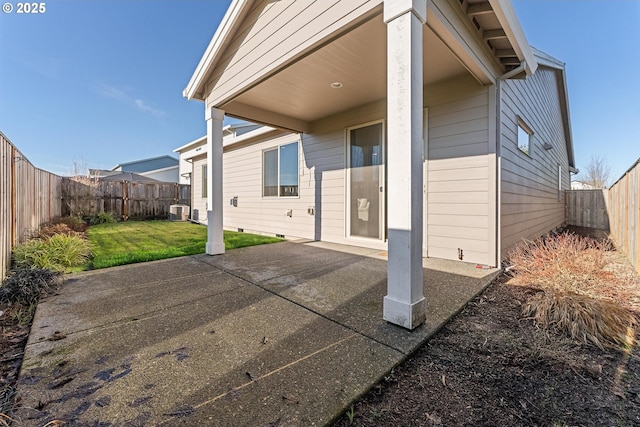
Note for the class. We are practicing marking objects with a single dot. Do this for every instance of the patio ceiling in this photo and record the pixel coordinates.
(304, 91)
(356, 62)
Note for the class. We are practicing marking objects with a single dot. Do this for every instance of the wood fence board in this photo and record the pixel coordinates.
(30, 197)
(624, 212)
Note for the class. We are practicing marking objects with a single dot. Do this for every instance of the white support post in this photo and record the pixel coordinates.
(215, 238)
(404, 304)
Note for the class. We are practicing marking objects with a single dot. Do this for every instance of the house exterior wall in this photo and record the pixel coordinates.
(459, 172)
(532, 199)
(282, 30)
(321, 182)
(198, 203)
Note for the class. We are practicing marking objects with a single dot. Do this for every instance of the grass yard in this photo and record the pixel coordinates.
(139, 241)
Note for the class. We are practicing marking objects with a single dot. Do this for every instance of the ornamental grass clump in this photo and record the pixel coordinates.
(58, 253)
(570, 271)
(562, 263)
(25, 286)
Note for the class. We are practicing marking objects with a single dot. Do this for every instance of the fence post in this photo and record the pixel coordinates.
(13, 195)
(125, 201)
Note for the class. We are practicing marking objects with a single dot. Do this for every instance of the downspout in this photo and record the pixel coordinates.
(498, 172)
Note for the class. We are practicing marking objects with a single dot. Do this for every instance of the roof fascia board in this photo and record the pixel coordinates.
(545, 60)
(229, 21)
(564, 101)
(191, 144)
(442, 17)
(508, 19)
(261, 131)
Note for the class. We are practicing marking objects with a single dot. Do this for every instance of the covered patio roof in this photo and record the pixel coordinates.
(347, 67)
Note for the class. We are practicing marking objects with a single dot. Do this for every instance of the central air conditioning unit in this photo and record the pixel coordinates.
(179, 213)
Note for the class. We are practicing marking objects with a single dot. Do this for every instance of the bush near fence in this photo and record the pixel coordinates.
(31, 197)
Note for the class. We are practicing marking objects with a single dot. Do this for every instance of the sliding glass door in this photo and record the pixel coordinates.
(366, 181)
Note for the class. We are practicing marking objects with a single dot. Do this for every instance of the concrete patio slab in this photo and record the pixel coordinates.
(282, 334)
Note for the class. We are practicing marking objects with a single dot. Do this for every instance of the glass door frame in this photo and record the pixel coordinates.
(382, 209)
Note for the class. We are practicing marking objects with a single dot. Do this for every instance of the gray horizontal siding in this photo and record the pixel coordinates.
(530, 202)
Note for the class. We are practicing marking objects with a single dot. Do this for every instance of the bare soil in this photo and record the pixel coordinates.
(490, 367)
(15, 325)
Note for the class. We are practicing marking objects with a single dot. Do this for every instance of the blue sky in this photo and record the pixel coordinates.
(101, 81)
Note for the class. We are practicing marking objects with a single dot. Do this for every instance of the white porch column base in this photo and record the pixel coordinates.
(404, 304)
(407, 315)
(215, 236)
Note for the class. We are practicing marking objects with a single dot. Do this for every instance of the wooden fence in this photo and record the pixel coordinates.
(587, 208)
(624, 214)
(123, 199)
(28, 197)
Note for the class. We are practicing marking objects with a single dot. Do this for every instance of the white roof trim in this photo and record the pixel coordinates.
(547, 60)
(249, 135)
(507, 17)
(214, 49)
(190, 144)
(227, 142)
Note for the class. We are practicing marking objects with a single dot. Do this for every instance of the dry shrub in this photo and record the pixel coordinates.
(571, 271)
(583, 318)
(73, 222)
(51, 229)
(564, 263)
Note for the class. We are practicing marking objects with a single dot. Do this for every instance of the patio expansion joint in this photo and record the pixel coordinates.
(268, 374)
(317, 313)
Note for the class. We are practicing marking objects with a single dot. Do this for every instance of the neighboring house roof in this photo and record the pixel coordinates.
(146, 165)
(342, 29)
(547, 60)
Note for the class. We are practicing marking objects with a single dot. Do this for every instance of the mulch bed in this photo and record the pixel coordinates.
(490, 367)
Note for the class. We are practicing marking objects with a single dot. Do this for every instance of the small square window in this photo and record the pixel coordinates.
(280, 171)
(524, 138)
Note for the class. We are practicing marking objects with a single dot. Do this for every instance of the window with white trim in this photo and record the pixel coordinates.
(280, 171)
(525, 137)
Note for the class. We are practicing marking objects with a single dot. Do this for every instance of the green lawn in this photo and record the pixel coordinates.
(139, 241)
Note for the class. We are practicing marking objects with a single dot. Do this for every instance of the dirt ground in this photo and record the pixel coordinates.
(490, 367)
(13, 339)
